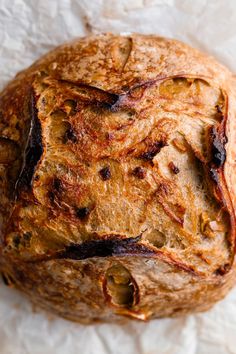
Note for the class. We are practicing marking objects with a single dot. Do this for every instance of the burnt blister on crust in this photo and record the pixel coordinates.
(16, 241)
(153, 150)
(34, 148)
(105, 248)
(173, 168)
(57, 185)
(105, 173)
(223, 269)
(70, 135)
(218, 109)
(139, 172)
(7, 279)
(55, 190)
(82, 213)
(218, 148)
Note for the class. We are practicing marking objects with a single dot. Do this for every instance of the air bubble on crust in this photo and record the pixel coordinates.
(120, 287)
(156, 238)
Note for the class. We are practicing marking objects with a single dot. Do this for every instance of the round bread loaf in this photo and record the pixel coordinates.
(118, 179)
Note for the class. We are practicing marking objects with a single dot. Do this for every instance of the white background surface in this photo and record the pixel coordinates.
(29, 28)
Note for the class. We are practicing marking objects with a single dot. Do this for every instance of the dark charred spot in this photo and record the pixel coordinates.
(34, 148)
(105, 248)
(37, 178)
(125, 88)
(112, 103)
(218, 149)
(139, 172)
(173, 168)
(223, 269)
(51, 196)
(7, 279)
(82, 213)
(153, 149)
(16, 241)
(57, 185)
(70, 135)
(218, 109)
(17, 125)
(55, 190)
(105, 173)
(27, 236)
(130, 113)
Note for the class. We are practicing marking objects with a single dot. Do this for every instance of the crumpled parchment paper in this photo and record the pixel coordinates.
(28, 29)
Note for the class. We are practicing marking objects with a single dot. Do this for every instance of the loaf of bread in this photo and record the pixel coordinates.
(118, 179)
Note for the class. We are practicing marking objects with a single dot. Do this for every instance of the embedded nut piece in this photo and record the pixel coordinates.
(118, 179)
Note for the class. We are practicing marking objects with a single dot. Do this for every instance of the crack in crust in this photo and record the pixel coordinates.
(114, 246)
(33, 150)
(103, 248)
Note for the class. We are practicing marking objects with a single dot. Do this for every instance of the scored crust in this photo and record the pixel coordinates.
(117, 179)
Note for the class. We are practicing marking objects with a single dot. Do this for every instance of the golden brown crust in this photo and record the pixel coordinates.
(117, 179)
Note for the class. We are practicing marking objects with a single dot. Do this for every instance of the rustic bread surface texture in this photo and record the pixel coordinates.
(117, 179)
